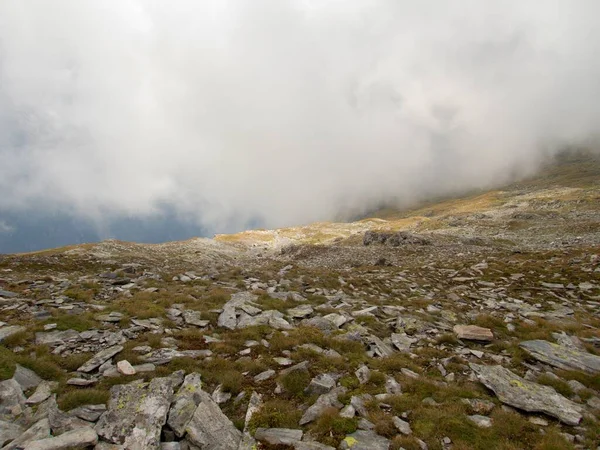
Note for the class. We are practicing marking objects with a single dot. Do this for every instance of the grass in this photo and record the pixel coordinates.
(276, 414)
(86, 396)
(295, 382)
(330, 428)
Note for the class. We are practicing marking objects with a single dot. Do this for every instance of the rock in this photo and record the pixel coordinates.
(528, 396)
(378, 347)
(248, 442)
(310, 445)
(324, 402)
(300, 312)
(219, 396)
(39, 430)
(10, 331)
(90, 413)
(26, 378)
(184, 404)
(567, 358)
(392, 387)
(321, 384)
(209, 428)
(402, 341)
(278, 436)
(364, 440)
(55, 337)
(80, 382)
(263, 376)
(12, 400)
(193, 318)
(164, 355)
(402, 426)
(72, 440)
(43, 392)
(7, 294)
(479, 406)
(9, 431)
(61, 422)
(480, 421)
(363, 374)
(473, 333)
(99, 358)
(137, 412)
(124, 367)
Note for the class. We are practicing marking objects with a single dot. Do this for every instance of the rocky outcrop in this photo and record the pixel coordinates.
(72, 440)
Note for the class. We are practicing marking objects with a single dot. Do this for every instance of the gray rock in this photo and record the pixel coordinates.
(9, 431)
(363, 374)
(402, 341)
(43, 392)
(38, 430)
(321, 384)
(526, 395)
(402, 426)
(90, 413)
(8, 294)
(72, 440)
(248, 442)
(310, 445)
(55, 337)
(300, 312)
(263, 376)
(61, 422)
(164, 355)
(26, 378)
(567, 358)
(480, 421)
(99, 358)
(137, 412)
(10, 330)
(210, 429)
(278, 436)
(12, 400)
(185, 403)
(364, 440)
(191, 317)
(324, 402)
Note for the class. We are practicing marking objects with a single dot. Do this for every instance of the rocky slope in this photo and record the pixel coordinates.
(469, 323)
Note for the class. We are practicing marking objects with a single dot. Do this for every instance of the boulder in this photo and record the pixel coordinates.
(562, 357)
(137, 412)
(184, 404)
(526, 395)
(9, 431)
(38, 430)
(26, 378)
(209, 428)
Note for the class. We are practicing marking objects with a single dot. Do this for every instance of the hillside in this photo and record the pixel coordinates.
(465, 323)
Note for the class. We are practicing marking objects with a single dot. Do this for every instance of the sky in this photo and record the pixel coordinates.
(235, 113)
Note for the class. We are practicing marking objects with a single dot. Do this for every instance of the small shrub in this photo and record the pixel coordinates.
(295, 382)
(276, 414)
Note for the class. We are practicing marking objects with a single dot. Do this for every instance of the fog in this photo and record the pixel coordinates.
(273, 113)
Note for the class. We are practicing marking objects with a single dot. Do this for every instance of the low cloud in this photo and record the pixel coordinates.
(276, 113)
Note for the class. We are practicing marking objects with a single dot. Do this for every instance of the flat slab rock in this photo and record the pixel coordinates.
(365, 440)
(100, 358)
(80, 438)
(526, 395)
(473, 333)
(137, 412)
(567, 358)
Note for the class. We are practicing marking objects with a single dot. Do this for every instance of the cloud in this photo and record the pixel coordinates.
(280, 113)
(5, 228)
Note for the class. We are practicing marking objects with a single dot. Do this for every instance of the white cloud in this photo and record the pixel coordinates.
(286, 112)
(5, 227)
